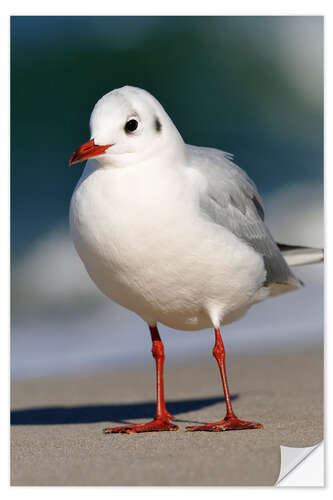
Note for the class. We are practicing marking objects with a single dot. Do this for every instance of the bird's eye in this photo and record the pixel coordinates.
(131, 126)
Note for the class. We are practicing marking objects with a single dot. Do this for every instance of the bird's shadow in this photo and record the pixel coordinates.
(121, 412)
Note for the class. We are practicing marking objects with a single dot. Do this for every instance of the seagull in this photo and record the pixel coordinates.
(174, 233)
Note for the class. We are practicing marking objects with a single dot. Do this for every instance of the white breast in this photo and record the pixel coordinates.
(145, 245)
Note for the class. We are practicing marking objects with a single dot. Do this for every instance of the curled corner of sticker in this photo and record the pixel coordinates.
(292, 457)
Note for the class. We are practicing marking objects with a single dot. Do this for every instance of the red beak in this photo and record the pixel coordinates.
(87, 150)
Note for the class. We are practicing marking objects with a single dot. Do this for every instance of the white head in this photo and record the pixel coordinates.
(128, 126)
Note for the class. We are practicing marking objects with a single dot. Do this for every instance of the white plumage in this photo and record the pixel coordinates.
(143, 221)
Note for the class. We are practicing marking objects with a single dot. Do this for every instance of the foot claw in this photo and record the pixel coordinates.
(153, 426)
(230, 424)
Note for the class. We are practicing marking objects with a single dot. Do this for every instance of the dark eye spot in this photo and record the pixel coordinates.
(158, 125)
(131, 126)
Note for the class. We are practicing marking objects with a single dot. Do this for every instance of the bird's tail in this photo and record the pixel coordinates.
(300, 256)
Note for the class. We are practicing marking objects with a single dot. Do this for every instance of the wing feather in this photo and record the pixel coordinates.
(230, 198)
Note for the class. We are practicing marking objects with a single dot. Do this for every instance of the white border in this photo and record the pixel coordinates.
(172, 7)
(130, 7)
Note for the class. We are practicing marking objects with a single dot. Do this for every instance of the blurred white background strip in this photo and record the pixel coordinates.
(302, 466)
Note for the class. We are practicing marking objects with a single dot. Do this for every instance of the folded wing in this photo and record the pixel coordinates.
(230, 199)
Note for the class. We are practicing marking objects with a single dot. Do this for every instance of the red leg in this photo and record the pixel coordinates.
(161, 420)
(230, 421)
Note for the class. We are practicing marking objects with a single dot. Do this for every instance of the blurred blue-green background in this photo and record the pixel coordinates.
(252, 86)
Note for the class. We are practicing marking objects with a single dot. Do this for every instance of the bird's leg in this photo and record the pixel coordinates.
(230, 421)
(158, 355)
(161, 420)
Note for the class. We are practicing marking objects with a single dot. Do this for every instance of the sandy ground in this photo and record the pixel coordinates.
(57, 426)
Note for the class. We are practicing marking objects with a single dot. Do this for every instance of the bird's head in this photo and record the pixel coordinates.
(128, 126)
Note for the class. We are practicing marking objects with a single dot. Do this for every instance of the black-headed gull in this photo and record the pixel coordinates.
(173, 232)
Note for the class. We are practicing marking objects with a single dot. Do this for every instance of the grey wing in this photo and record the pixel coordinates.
(231, 200)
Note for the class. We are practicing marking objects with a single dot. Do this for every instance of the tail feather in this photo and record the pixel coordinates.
(299, 256)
